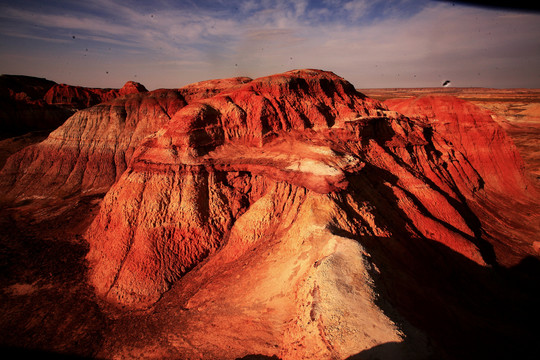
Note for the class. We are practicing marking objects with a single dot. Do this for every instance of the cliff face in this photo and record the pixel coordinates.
(472, 131)
(508, 192)
(291, 215)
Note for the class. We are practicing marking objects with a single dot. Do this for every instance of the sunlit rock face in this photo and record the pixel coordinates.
(507, 190)
(279, 200)
(291, 216)
(90, 151)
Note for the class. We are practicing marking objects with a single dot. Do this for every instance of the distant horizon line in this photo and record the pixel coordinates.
(218, 78)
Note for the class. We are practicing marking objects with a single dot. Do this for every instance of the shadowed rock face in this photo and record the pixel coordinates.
(24, 86)
(292, 216)
(22, 108)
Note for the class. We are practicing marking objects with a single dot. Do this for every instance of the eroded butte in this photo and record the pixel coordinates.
(288, 216)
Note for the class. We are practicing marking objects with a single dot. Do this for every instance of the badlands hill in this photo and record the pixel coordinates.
(288, 216)
(30, 108)
(30, 104)
(517, 111)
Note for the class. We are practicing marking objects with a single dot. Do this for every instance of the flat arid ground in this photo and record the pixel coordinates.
(285, 217)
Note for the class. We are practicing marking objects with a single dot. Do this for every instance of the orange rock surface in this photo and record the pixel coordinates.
(260, 194)
(507, 190)
(291, 216)
(82, 97)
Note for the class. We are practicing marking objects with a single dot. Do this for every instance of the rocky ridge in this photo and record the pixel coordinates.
(34, 104)
(292, 216)
(280, 165)
(79, 97)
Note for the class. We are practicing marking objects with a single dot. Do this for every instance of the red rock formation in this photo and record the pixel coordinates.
(289, 215)
(257, 194)
(131, 87)
(91, 149)
(79, 97)
(472, 131)
(469, 130)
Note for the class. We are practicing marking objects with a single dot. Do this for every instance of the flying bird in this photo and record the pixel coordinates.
(446, 83)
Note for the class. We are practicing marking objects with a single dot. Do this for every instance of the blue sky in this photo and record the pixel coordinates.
(168, 44)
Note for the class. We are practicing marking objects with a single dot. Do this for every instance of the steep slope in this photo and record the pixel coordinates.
(277, 213)
(508, 192)
(90, 150)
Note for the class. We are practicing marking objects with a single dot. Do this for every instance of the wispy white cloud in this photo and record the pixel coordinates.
(356, 9)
